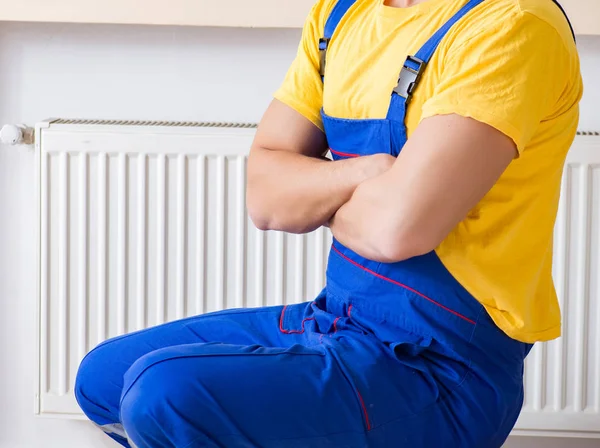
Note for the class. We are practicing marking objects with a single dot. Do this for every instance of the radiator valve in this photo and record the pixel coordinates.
(16, 135)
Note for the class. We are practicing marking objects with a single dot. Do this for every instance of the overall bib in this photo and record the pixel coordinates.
(389, 355)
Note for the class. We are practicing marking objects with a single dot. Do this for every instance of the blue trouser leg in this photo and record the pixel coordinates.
(238, 378)
(325, 374)
(100, 379)
(217, 395)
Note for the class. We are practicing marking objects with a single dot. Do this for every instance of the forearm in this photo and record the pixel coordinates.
(375, 225)
(446, 168)
(295, 193)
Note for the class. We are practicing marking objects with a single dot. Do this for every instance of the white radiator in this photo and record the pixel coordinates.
(563, 376)
(143, 223)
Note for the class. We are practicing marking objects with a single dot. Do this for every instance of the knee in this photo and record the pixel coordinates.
(153, 399)
(93, 380)
(141, 403)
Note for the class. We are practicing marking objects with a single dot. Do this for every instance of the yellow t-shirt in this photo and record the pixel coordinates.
(512, 64)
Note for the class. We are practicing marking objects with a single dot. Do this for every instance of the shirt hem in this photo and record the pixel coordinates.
(520, 335)
(290, 101)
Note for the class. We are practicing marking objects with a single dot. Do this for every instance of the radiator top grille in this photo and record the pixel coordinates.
(192, 124)
(174, 124)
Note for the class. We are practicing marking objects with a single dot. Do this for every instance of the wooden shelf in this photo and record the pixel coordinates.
(585, 14)
(231, 13)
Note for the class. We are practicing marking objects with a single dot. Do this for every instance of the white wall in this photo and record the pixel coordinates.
(136, 73)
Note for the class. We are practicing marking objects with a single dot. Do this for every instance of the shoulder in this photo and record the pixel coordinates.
(549, 14)
(518, 33)
(513, 23)
(515, 60)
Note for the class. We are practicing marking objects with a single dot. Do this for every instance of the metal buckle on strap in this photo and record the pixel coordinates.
(323, 44)
(409, 77)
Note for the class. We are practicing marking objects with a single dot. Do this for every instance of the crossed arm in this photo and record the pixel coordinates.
(384, 209)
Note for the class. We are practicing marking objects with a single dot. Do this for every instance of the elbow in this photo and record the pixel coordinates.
(264, 205)
(257, 212)
(404, 243)
(269, 215)
(268, 209)
(402, 248)
(259, 197)
(260, 222)
(279, 222)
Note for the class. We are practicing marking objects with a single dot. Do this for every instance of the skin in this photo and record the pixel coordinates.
(447, 166)
(291, 186)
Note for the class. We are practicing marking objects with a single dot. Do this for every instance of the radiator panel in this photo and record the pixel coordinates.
(141, 225)
(562, 380)
(141, 229)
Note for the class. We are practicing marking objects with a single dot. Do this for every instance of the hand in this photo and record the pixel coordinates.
(376, 165)
(372, 166)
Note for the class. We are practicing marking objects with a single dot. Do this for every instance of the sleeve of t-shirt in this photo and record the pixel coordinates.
(302, 88)
(511, 77)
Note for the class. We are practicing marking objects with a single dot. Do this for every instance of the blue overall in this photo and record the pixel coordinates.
(388, 355)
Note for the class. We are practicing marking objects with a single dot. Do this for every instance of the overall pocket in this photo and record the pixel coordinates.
(297, 319)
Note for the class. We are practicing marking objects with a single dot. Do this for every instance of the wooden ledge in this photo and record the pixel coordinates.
(585, 14)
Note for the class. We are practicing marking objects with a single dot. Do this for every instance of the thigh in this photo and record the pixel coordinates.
(100, 375)
(347, 391)
(224, 395)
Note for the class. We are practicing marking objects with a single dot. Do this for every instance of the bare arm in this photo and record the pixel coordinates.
(291, 187)
(447, 166)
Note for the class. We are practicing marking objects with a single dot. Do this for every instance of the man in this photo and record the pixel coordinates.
(439, 278)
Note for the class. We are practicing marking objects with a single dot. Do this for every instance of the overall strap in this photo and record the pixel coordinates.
(414, 66)
(337, 14)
